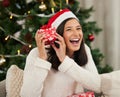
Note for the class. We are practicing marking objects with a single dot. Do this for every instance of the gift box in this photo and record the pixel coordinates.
(50, 35)
(86, 94)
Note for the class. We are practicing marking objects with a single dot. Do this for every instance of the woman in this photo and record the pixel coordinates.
(63, 70)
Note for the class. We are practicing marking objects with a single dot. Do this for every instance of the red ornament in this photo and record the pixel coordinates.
(91, 37)
(50, 35)
(5, 3)
(28, 37)
(25, 49)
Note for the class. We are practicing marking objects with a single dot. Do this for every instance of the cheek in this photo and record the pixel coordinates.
(66, 37)
(66, 40)
(81, 34)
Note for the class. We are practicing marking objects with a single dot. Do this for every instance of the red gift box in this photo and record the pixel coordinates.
(50, 35)
(86, 94)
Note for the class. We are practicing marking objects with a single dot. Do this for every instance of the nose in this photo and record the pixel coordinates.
(76, 32)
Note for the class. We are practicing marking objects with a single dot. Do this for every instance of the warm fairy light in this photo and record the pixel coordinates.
(30, 46)
(6, 38)
(2, 60)
(18, 51)
(67, 1)
(11, 16)
(52, 9)
(29, 12)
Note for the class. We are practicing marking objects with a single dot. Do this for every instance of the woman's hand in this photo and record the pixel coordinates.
(40, 41)
(61, 51)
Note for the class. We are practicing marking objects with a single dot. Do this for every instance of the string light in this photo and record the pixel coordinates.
(39, 15)
(1, 28)
(11, 56)
(2, 59)
(67, 2)
(11, 16)
(18, 52)
(30, 46)
(52, 9)
(6, 38)
(28, 12)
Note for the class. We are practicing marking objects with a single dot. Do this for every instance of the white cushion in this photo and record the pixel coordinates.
(110, 84)
(14, 80)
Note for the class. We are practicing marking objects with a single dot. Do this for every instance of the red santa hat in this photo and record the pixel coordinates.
(59, 17)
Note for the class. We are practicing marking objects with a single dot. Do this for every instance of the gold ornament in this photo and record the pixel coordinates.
(42, 6)
(2, 60)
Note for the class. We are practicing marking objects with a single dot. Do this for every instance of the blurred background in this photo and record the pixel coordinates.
(107, 15)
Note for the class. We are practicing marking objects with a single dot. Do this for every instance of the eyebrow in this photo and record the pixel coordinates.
(75, 26)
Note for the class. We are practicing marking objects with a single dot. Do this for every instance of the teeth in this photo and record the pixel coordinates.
(74, 39)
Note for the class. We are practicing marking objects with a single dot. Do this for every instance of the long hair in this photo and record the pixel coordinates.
(80, 56)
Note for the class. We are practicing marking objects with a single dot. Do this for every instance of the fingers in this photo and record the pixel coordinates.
(59, 43)
(40, 38)
(60, 38)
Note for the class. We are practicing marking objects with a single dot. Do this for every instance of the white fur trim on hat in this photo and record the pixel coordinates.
(59, 17)
(63, 17)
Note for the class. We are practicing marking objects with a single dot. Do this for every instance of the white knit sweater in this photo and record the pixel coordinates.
(40, 80)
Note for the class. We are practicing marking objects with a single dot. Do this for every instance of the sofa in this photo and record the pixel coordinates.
(10, 87)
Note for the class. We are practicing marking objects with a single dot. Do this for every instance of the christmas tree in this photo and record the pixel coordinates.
(19, 21)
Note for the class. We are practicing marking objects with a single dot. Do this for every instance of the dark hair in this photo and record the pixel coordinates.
(80, 56)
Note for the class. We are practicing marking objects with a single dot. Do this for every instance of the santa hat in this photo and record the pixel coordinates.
(59, 17)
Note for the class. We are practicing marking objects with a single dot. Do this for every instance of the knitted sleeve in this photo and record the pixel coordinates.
(35, 73)
(87, 76)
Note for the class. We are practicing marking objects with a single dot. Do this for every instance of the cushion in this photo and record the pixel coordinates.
(110, 84)
(14, 79)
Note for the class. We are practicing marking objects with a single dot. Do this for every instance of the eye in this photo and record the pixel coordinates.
(68, 29)
(79, 28)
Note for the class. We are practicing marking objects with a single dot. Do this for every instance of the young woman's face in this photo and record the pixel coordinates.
(72, 35)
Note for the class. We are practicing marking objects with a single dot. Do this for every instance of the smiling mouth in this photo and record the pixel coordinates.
(75, 41)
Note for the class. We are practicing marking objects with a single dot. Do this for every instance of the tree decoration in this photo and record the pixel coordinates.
(20, 4)
(28, 37)
(25, 15)
(15, 38)
(52, 2)
(2, 59)
(52, 9)
(11, 17)
(67, 2)
(42, 6)
(25, 49)
(91, 37)
(5, 3)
